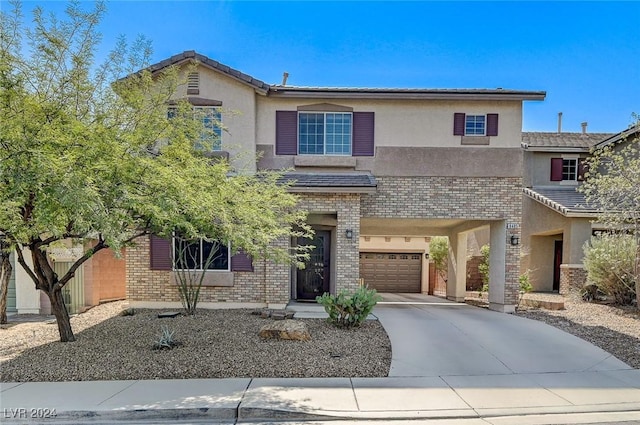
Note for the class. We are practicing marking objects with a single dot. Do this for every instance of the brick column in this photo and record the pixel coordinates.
(573, 277)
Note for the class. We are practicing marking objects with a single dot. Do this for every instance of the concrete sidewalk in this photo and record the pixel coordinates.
(491, 397)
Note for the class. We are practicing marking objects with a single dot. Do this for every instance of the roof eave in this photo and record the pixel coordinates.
(277, 91)
(333, 189)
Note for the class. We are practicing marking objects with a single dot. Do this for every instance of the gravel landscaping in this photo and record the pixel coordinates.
(225, 343)
(212, 344)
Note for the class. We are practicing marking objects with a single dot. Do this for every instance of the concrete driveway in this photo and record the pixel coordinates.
(435, 337)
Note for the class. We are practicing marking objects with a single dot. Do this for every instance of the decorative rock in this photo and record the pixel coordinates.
(286, 329)
(265, 314)
(170, 314)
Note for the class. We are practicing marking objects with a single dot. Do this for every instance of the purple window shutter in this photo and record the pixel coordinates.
(241, 262)
(458, 124)
(556, 169)
(492, 124)
(363, 134)
(286, 132)
(160, 253)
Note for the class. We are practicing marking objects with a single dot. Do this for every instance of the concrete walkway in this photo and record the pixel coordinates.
(450, 361)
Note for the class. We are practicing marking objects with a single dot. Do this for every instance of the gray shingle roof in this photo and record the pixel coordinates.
(329, 180)
(565, 200)
(563, 140)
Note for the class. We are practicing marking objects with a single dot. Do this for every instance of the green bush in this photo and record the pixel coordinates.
(609, 261)
(348, 311)
(483, 267)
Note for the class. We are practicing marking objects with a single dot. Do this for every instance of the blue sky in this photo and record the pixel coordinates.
(585, 55)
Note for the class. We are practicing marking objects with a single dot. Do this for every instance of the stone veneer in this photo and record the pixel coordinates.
(469, 198)
(573, 277)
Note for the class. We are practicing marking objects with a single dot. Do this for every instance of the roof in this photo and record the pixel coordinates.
(565, 200)
(191, 55)
(348, 92)
(333, 182)
(549, 141)
(405, 93)
(619, 137)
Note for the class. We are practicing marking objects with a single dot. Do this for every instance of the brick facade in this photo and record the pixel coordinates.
(573, 277)
(396, 197)
(469, 198)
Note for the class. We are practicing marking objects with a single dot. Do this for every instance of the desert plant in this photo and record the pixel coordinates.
(610, 261)
(349, 310)
(165, 339)
(525, 285)
(483, 267)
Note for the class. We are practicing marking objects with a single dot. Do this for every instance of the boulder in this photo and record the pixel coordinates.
(286, 329)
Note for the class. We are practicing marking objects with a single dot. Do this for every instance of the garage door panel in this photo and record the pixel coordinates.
(391, 272)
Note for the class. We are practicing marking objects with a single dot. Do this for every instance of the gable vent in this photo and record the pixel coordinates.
(193, 83)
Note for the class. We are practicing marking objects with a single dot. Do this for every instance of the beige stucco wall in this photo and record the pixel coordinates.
(238, 114)
(541, 226)
(538, 168)
(408, 123)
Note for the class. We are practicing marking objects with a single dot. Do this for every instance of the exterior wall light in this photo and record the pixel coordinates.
(515, 240)
(348, 234)
(426, 255)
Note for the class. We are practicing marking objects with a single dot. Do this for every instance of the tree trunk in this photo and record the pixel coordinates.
(5, 275)
(59, 310)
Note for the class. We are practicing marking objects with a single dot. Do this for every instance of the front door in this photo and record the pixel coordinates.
(557, 261)
(313, 280)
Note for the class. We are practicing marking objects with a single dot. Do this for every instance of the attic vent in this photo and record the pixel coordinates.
(193, 83)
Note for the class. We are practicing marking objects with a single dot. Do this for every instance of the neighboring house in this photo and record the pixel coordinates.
(98, 280)
(557, 220)
(380, 172)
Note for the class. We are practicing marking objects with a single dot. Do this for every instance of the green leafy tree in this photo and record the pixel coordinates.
(613, 185)
(483, 267)
(439, 254)
(87, 155)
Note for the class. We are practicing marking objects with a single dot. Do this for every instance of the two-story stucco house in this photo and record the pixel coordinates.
(380, 172)
(557, 219)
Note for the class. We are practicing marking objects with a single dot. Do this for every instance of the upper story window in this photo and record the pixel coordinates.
(569, 169)
(211, 137)
(211, 118)
(199, 255)
(336, 132)
(324, 133)
(474, 125)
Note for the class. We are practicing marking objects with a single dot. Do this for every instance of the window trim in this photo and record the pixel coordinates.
(324, 142)
(475, 116)
(576, 160)
(173, 258)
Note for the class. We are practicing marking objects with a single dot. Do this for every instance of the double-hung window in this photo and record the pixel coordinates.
(211, 137)
(325, 133)
(568, 169)
(211, 119)
(199, 255)
(474, 125)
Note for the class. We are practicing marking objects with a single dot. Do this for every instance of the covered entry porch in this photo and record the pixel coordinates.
(394, 256)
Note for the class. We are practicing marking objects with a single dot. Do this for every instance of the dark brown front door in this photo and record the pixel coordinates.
(313, 280)
(557, 261)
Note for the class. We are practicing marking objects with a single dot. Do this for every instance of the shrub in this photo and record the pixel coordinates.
(348, 311)
(483, 267)
(165, 339)
(609, 261)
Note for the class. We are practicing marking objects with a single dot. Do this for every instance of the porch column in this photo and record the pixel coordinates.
(457, 280)
(498, 297)
(573, 276)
